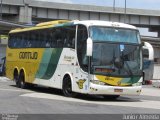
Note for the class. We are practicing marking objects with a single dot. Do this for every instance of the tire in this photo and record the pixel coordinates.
(143, 81)
(67, 87)
(111, 97)
(23, 84)
(16, 79)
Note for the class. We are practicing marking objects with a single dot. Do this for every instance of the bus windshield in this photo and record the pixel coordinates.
(116, 52)
(110, 59)
(98, 33)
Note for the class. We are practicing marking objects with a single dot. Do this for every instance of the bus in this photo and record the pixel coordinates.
(148, 64)
(89, 57)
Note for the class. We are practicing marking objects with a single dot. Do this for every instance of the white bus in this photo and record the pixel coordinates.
(89, 57)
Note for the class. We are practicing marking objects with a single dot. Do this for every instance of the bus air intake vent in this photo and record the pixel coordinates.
(52, 23)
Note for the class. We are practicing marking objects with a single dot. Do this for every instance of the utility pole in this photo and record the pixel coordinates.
(114, 5)
(125, 12)
(1, 11)
(1, 19)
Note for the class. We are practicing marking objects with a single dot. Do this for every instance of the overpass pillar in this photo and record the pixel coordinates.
(155, 29)
(25, 14)
(159, 34)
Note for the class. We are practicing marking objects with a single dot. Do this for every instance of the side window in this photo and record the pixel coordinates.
(11, 40)
(21, 40)
(53, 41)
(41, 35)
(58, 37)
(26, 37)
(15, 38)
(69, 38)
(54, 37)
(48, 38)
(29, 40)
(37, 39)
(20, 45)
(82, 36)
(14, 42)
(33, 39)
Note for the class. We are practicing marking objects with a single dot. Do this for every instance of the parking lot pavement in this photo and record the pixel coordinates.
(146, 100)
(47, 100)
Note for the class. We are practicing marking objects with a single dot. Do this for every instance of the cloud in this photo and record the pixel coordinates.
(151, 1)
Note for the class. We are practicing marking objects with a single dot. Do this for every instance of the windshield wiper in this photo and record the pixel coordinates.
(129, 69)
(116, 62)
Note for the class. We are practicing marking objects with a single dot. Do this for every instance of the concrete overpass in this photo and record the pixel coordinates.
(26, 11)
(6, 26)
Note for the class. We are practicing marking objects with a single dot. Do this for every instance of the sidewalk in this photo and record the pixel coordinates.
(156, 83)
(3, 79)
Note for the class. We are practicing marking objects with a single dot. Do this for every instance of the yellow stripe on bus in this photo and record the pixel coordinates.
(111, 80)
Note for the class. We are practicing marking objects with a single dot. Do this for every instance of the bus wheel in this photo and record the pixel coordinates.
(23, 84)
(18, 84)
(16, 79)
(111, 97)
(67, 87)
(143, 81)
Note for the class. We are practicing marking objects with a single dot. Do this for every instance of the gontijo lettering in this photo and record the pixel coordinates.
(28, 55)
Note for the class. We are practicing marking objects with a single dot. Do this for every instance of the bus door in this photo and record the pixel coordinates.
(82, 68)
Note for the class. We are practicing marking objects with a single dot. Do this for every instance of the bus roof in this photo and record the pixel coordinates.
(105, 23)
(41, 26)
(64, 22)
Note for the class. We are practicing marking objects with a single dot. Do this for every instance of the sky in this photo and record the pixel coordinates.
(143, 4)
(140, 4)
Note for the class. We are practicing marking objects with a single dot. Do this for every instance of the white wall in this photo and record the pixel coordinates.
(156, 74)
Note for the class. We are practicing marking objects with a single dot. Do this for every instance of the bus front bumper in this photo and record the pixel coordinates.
(114, 90)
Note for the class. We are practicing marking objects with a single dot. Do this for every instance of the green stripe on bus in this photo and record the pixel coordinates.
(131, 80)
(44, 63)
(56, 53)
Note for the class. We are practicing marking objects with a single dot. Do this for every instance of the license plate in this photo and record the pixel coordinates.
(118, 90)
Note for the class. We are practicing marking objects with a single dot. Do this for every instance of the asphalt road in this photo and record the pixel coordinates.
(39, 100)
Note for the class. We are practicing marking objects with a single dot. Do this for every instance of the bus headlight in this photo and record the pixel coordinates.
(137, 84)
(97, 82)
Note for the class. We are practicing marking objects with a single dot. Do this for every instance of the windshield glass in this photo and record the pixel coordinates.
(116, 59)
(100, 33)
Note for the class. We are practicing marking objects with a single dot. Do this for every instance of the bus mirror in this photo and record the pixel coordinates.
(149, 47)
(89, 47)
